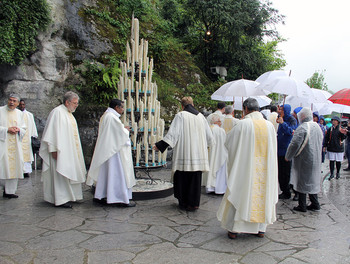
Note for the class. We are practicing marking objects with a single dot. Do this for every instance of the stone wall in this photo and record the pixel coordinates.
(44, 76)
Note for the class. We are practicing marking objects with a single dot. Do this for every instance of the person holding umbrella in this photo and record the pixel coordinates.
(287, 125)
(334, 144)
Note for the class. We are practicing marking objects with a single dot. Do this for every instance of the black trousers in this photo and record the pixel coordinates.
(284, 168)
(187, 187)
(313, 199)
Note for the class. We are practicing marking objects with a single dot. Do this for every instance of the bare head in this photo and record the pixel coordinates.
(187, 100)
(71, 101)
(229, 110)
(22, 105)
(250, 105)
(117, 105)
(215, 120)
(13, 101)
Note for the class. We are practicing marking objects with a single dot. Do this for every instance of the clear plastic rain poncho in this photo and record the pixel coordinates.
(305, 150)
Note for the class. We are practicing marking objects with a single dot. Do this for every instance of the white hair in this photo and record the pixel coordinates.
(215, 118)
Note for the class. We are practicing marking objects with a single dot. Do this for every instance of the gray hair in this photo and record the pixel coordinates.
(14, 96)
(214, 118)
(69, 96)
(305, 115)
(251, 104)
(228, 109)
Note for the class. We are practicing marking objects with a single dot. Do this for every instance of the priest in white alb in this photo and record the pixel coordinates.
(219, 111)
(189, 135)
(112, 169)
(215, 178)
(249, 203)
(63, 169)
(27, 139)
(12, 130)
(229, 120)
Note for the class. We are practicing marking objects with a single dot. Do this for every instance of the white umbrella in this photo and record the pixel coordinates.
(319, 96)
(270, 76)
(263, 100)
(287, 86)
(242, 87)
(316, 101)
(329, 108)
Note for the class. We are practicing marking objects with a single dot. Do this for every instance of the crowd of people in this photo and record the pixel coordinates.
(246, 160)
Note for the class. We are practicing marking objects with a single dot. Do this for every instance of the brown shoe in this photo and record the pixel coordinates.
(231, 235)
(260, 234)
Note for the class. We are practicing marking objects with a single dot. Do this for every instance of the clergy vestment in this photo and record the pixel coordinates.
(11, 154)
(112, 165)
(215, 178)
(229, 123)
(249, 203)
(27, 141)
(272, 118)
(62, 178)
(189, 135)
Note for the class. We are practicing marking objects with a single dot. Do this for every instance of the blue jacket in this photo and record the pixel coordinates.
(285, 131)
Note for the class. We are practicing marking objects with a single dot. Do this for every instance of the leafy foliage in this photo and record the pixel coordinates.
(230, 34)
(317, 81)
(100, 82)
(20, 23)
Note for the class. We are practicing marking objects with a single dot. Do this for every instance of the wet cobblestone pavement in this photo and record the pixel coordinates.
(156, 231)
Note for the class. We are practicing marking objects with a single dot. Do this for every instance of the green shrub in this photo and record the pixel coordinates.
(20, 23)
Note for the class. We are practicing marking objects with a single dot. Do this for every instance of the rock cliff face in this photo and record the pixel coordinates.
(44, 76)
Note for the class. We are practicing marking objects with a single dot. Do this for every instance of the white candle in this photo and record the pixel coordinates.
(159, 158)
(141, 54)
(145, 54)
(132, 54)
(128, 55)
(136, 39)
(134, 136)
(150, 71)
(137, 96)
(153, 157)
(164, 157)
(138, 152)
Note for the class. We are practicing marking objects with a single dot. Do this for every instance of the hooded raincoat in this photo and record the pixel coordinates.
(305, 149)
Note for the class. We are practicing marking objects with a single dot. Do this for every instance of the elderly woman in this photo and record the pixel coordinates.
(305, 150)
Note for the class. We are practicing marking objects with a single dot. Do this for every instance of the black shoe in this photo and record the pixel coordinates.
(299, 209)
(296, 197)
(337, 176)
(284, 196)
(347, 169)
(26, 175)
(65, 205)
(312, 207)
(331, 177)
(102, 201)
(130, 204)
(10, 196)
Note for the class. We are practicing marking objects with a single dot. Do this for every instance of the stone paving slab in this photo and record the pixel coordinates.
(157, 231)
